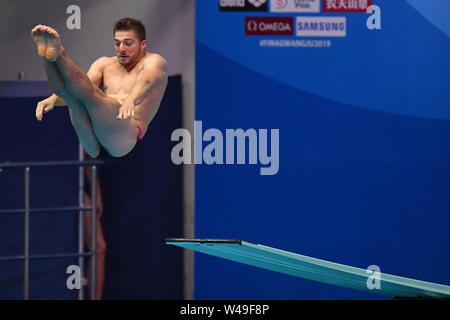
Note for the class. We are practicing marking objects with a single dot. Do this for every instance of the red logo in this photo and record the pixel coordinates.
(346, 5)
(269, 26)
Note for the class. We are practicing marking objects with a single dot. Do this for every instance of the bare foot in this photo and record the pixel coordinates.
(48, 42)
(39, 38)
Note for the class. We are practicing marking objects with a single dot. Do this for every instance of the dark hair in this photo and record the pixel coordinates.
(128, 23)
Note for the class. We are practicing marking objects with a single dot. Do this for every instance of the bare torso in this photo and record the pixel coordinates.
(118, 83)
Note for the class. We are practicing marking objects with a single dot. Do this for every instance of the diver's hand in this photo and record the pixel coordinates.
(126, 110)
(44, 106)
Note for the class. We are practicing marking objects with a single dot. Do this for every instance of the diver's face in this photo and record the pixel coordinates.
(128, 47)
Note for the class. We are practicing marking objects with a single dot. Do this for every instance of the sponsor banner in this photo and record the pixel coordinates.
(346, 5)
(269, 26)
(295, 5)
(321, 26)
(243, 5)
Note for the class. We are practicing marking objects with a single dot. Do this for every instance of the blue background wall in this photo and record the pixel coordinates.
(364, 149)
(142, 202)
(23, 138)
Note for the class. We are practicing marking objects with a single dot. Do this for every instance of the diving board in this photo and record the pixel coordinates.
(311, 268)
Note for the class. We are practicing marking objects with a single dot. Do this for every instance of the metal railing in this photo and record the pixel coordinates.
(26, 166)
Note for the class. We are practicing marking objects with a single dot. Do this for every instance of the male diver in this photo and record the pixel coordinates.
(109, 122)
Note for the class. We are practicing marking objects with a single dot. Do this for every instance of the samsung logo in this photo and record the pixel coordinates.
(321, 26)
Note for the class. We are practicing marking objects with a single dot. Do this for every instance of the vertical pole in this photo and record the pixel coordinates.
(94, 232)
(26, 240)
(81, 214)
